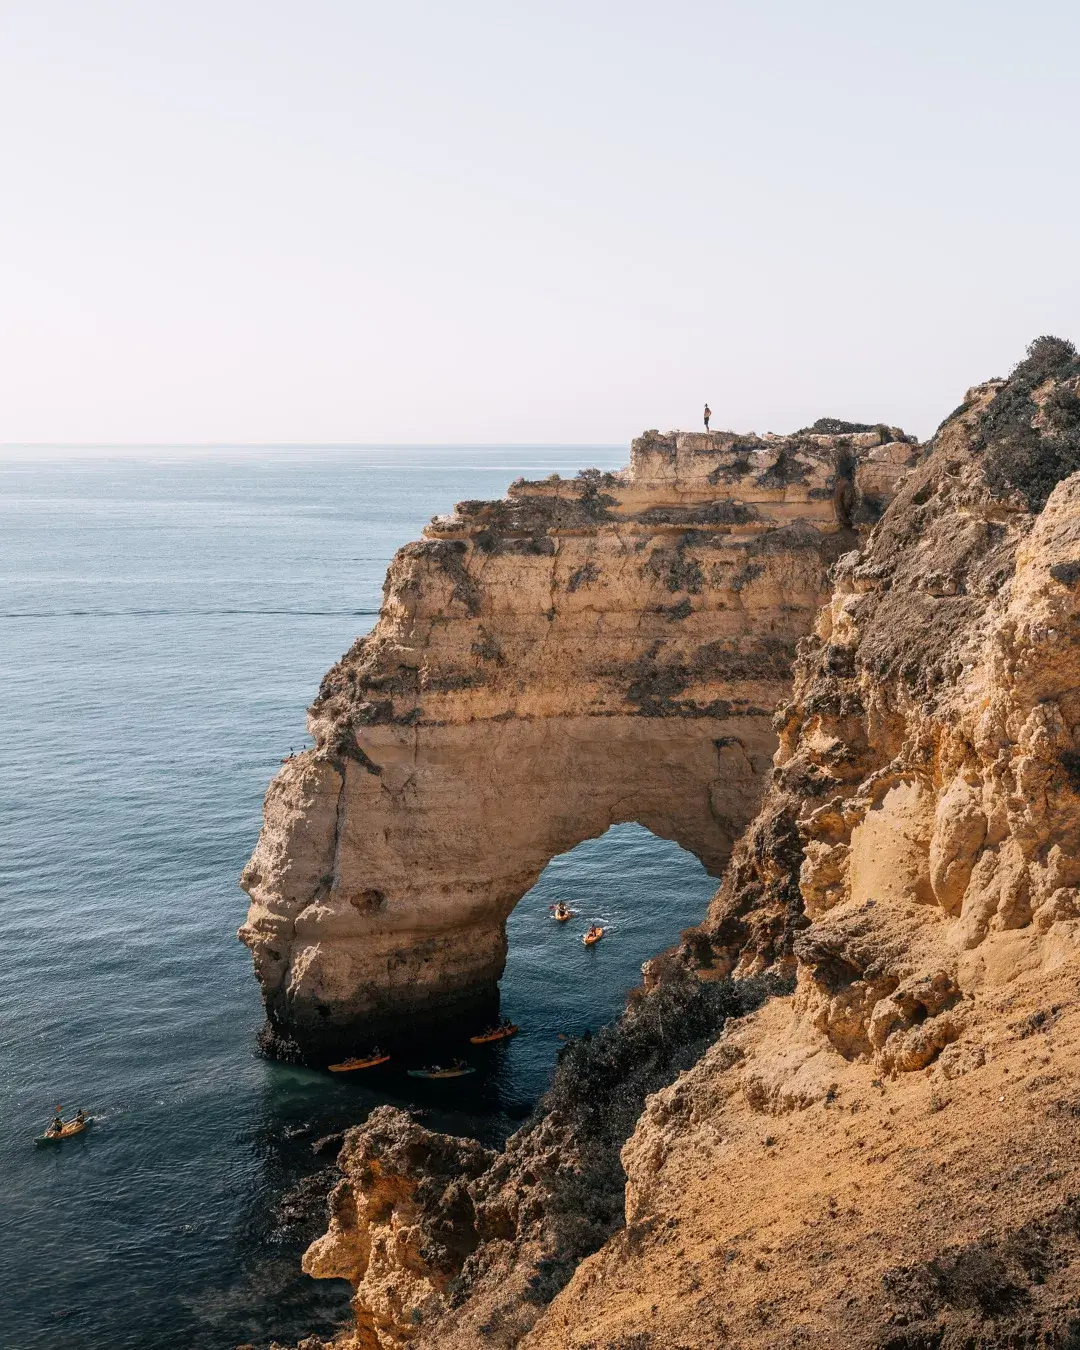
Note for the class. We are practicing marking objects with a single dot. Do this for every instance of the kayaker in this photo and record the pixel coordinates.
(80, 1117)
(56, 1125)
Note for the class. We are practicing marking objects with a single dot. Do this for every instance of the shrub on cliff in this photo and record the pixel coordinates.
(601, 1082)
(834, 426)
(1019, 455)
(598, 1093)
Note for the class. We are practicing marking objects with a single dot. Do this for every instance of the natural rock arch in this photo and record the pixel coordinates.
(579, 654)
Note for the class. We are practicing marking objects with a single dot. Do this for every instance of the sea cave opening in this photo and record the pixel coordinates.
(642, 889)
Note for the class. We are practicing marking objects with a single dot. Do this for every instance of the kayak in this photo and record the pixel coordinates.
(590, 938)
(70, 1128)
(562, 918)
(347, 1065)
(441, 1073)
(496, 1034)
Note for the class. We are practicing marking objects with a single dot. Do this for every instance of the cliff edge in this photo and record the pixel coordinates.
(583, 652)
(847, 1114)
(890, 1157)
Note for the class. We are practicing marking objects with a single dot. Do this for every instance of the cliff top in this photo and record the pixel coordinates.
(819, 474)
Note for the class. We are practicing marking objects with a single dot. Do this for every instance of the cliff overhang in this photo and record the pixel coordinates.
(580, 653)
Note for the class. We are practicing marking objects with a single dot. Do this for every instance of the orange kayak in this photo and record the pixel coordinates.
(496, 1034)
(592, 937)
(71, 1127)
(348, 1064)
(562, 918)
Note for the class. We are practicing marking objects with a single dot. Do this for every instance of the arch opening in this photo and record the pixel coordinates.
(642, 888)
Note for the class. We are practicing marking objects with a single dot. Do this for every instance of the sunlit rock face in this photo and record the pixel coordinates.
(581, 653)
(869, 1138)
(921, 834)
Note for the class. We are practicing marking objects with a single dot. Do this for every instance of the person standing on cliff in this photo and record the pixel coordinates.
(708, 414)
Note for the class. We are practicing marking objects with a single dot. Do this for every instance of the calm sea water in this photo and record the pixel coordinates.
(163, 624)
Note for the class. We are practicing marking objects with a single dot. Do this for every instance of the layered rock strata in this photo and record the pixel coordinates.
(887, 1158)
(924, 796)
(891, 1157)
(581, 653)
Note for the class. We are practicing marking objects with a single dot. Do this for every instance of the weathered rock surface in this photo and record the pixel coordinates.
(924, 795)
(780, 1196)
(446, 1245)
(402, 1223)
(581, 653)
(889, 1157)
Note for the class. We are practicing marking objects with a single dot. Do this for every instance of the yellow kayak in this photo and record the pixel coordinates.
(347, 1065)
(67, 1130)
(495, 1034)
(594, 935)
(561, 916)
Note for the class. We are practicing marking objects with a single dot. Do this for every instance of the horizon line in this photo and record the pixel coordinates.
(308, 445)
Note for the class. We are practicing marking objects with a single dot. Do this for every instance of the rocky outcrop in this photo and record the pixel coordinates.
(581, 653)
(402, 1223)
(447, 1245)
(887, 1158)
(780, 1195)
(924, 795)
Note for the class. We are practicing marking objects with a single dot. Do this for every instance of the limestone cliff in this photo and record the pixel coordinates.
(583, 652)
(444, 1251)
(889, 1156)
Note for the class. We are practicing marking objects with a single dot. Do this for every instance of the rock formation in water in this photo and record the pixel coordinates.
(584, 652)
(887, 1157)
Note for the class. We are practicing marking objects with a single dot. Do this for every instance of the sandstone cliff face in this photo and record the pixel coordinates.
(889, 1157)
(915, 866)
(924, 795)
(402, 1223)
(582, 653)
(447, 1245)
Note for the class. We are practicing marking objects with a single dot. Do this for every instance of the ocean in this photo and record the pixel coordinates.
(165, 618)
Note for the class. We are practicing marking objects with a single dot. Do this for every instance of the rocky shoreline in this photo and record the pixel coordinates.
(846, 1110)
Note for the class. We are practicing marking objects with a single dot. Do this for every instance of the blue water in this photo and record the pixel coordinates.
(164, 622)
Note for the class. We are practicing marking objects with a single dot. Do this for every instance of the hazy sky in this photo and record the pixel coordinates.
(346, 221)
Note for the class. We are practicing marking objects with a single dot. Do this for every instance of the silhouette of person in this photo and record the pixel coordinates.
(708, 414)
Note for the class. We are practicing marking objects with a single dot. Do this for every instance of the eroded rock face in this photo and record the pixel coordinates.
(449, 1246)
(579, 654)
(889, 1157)
(925, 797)
(402, 1224)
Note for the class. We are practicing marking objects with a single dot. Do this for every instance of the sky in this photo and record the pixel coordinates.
(339, 221)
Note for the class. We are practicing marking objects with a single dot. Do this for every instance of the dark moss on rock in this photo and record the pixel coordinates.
(584, 575)
(675, 569)
(709, 513)
(787, 468)
(1027, 449)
